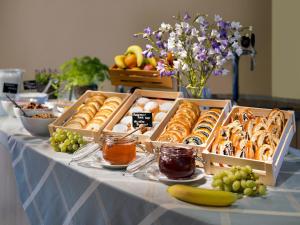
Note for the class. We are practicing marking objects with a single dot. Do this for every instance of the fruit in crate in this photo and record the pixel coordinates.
(133, 59)
(239, 180)
(201, 196)
(66, 141)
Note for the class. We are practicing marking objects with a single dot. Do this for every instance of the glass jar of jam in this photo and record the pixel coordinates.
(177, 162)
(117, 150)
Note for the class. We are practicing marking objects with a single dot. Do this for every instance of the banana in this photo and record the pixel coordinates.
(119, 61)
(151, 61)
(202, 196)
(138, 51)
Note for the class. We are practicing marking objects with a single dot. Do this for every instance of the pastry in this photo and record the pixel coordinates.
(127, 120)
(151, 106)
(142, 101)
(166, 106)
(159, 116)
(194, 140)
(135, 109)
(113, 99)
(251, 137)
(120, 128)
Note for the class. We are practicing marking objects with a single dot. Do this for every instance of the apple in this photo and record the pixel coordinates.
(149, 67)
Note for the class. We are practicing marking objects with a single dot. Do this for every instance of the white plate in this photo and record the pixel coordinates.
(154, 172)
(98, 161)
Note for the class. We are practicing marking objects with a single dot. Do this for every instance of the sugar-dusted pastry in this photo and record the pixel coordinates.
(135, 110)
(142, 101)
(159, 116)
(151, 106)
(127, 120)
(166, 106)
(120, 128)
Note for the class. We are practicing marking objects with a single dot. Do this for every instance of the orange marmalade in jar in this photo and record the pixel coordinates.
(119, 151)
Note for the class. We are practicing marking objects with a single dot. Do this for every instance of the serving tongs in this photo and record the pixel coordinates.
(84, 152)
(17, 105)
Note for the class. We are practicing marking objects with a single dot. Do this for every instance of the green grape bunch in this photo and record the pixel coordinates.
(240, 180)
(66, 141)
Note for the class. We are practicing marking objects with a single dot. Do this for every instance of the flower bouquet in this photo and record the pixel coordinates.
(194, 49)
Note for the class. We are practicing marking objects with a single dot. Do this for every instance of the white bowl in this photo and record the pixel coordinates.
(32, 97)
(30, 112)
(8, 107)
(37, 126)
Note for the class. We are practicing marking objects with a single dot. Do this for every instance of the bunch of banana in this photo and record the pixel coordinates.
(133, 59)
(201, 196)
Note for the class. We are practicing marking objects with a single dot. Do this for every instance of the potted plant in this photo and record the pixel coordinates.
(81, 74)
(197, 48)
(43, 77)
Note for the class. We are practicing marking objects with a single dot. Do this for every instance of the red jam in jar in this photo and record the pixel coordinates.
(177, 162)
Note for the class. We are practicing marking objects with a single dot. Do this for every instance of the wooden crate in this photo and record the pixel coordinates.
(60, 121)
(224, 104)
(267, 170)
(140, 78)
(164, 95)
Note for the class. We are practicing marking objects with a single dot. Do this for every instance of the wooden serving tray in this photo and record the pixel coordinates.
(164, 95)
(139, 78)
(59, 122)
(224, 104)
(267, 170)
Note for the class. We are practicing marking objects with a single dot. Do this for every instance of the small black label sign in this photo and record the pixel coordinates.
(29, 84)
(10, 88)
(141, 118)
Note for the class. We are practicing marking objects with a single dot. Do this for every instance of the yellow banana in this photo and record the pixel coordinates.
(119, 61)
(202, 196)
(138, 51)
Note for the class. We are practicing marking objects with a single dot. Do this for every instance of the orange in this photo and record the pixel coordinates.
(130, 61)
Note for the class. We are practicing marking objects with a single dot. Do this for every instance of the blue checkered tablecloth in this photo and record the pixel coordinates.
(54, 193)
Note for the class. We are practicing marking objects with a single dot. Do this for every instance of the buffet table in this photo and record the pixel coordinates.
(53, 192)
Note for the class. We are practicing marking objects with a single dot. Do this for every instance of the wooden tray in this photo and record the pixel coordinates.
(137, 94)
(59, 122)
(140, 78)
(267, 170)
(224, 104)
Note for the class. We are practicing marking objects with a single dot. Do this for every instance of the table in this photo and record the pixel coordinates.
(52, 192)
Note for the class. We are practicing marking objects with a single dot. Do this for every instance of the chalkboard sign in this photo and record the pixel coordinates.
(139, 118)
(29, 84)
(10, 88)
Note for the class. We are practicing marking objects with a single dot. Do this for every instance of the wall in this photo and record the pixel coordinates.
(285, 49)
(43, 33)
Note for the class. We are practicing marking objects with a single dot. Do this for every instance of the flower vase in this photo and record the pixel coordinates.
(206, 93)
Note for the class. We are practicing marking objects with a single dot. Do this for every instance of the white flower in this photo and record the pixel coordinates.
(211, 51)
(201, 39)
(178, 29)
(171, 44)
(172, 35)
(214, 33)
(239, 51)
(176, 64)
(200, 20)
(182, 54)
(185, 67)
(164, 27)
(194, 32)
(237, 35)
(235, 45)
(218, 18)
(229, 55)
(235, 25)
(185, 25)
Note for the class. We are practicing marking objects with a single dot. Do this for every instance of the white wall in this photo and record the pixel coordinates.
(45, 33)
(285, 49)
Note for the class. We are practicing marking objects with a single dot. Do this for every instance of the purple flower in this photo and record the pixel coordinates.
(217, 72)
(158, 35)
(159, 44)
(147, 32)
(148, 46)
(186, 17)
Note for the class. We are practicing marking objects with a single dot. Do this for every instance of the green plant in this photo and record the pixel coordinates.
(83, 71)
(43, 76)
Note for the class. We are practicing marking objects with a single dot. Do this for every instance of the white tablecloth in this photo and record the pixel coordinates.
(53, 192)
